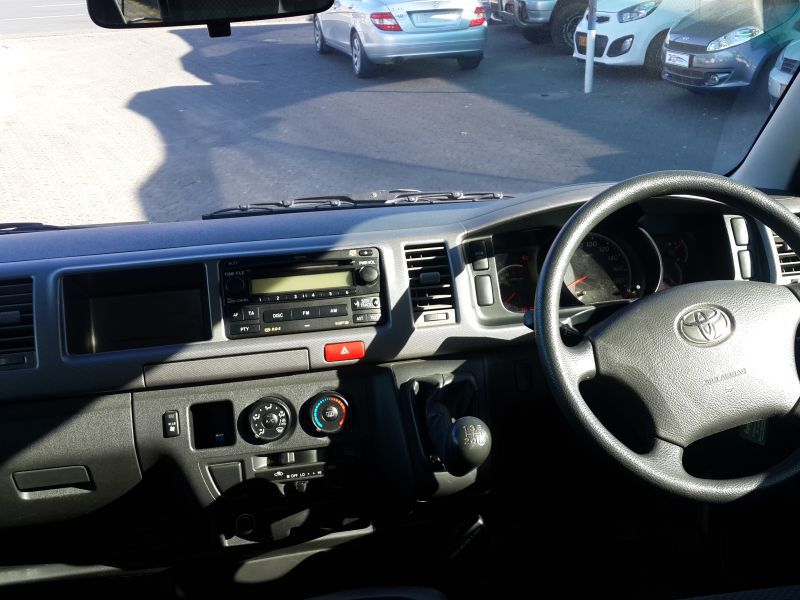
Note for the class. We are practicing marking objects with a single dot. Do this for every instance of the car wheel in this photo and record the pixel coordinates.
(564, 22)
(536, 35)
(319, 38)
(363, 67)
(652, 58)
(469, 62)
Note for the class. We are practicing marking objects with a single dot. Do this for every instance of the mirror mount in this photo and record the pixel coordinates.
(219, 29)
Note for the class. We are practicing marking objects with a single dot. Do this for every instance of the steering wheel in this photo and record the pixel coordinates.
(702, 357)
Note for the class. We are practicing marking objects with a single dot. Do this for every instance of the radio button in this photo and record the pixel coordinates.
(366, 303)
(367, 252)
(367, 275)
(367, 318)
(274, 315)
(333, 310)
(328, 294)
(297, 314)
(244, 328)
(236, 314)
(251, 313)
(294, 297)
(236, 286)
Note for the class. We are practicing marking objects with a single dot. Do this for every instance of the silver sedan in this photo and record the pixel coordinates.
(373, 32)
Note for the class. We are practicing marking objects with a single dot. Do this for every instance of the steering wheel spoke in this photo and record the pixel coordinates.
(581, 361)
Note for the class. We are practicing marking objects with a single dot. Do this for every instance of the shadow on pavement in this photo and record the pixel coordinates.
(273, 119)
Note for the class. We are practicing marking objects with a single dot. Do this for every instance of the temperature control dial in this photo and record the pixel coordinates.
(329, 412)
(269, 419)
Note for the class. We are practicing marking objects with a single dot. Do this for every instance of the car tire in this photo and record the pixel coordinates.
(564, 22)
(653, 65)
(363, 67)
(536, 35)
(319, 38)
(467, 63)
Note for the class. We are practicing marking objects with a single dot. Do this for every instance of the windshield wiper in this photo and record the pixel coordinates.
(372, 199)
(418, 197)
(9, 228)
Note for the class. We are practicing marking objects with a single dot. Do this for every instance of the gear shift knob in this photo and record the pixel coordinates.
(468, 445)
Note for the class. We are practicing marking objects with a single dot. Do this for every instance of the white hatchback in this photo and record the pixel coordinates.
(632, 34)
(781, 75)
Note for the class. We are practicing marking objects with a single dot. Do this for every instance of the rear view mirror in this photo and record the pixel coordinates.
(217, 14)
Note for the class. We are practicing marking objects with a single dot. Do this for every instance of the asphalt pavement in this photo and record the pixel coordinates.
(166, 124)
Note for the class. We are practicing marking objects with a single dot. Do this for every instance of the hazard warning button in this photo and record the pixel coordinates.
(344, 351)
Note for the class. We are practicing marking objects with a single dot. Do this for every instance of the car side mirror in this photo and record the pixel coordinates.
(216, 14)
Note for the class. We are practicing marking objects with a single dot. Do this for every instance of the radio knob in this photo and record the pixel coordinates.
(269, 419)
(235, 286)
(329, 412)
(367, 275)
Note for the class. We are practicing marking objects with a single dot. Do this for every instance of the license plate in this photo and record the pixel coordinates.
(435, 18)
(679, 59)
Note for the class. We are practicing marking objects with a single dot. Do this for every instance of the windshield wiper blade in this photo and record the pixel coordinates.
(9, 228)
(290, 205)
(372, 199)
(420, 197)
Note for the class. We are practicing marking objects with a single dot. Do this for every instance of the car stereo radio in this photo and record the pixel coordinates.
(275, 295)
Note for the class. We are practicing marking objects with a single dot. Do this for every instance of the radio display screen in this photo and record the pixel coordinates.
(298, 283)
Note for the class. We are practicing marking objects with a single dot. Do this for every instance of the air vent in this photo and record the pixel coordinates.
(430, 280)
(17, 343)
(787, 258)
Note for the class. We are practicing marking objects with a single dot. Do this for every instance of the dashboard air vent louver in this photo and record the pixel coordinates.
(17, 342)
(787, 258)
(430, 280)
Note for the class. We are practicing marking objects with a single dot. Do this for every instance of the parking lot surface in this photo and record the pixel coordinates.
(99, 125)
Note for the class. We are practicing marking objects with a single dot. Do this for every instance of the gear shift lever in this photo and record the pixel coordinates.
(462, 442)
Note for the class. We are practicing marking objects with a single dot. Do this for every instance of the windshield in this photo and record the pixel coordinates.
(168, 124)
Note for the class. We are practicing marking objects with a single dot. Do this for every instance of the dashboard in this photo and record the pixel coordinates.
(254, 359)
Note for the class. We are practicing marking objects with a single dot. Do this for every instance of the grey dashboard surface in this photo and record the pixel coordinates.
(48, 256)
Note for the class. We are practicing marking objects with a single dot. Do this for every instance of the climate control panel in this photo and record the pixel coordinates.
(272, 418)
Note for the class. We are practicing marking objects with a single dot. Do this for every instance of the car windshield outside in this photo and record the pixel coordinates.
(168, 124)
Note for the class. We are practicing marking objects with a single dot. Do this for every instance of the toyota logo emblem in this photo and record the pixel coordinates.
(705, 325)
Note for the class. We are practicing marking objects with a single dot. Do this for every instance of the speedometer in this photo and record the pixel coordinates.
(600, 271)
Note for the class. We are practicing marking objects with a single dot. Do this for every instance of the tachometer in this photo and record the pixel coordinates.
(517, 289)
(600, 271)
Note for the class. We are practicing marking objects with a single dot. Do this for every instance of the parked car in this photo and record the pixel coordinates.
(542, 20)
(726, 43)
(374, 33)
(632, 34)
(783, 71)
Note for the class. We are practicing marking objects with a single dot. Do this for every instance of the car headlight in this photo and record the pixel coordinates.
(734, 38)
(780, 59)
(637, 11)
